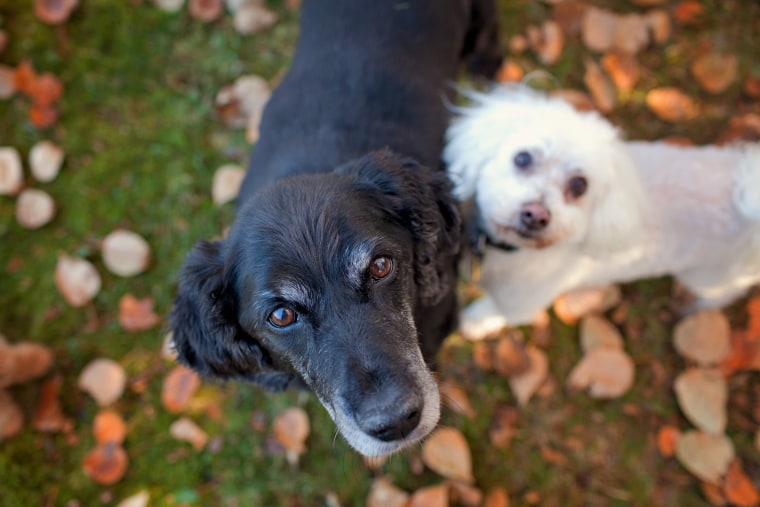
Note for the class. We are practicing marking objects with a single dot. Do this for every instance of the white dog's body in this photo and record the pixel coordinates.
(643, 209)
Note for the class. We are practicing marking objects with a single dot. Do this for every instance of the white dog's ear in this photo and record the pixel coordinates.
(620, 213)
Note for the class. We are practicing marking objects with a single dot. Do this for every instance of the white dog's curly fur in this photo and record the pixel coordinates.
(586, 209)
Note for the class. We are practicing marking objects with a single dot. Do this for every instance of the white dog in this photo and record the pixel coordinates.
(565, 204)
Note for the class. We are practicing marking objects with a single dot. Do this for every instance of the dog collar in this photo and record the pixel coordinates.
(478, 246)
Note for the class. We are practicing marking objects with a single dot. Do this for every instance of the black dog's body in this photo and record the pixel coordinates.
(299, 292)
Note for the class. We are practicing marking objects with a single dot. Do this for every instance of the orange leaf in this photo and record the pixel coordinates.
(431, 496)
(24, 77)
(738, 488)
(109, 427)
(671, 104)
(715, 71)
(48, 416)
(497, 497)
(42, 117)
(106, 464)
(745, 354)
(46, 89)
(137, 314)
(667, 438)
(688, 12)
(447, 453)
(179, 386)
(753, 323)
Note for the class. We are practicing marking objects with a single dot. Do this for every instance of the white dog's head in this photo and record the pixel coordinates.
(542, 173)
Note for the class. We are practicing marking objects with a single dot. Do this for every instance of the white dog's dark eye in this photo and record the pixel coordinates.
(577, 186)
(523, 160)
(282, 317)
(381, 267)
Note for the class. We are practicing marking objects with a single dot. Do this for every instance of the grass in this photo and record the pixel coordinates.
(142, 143)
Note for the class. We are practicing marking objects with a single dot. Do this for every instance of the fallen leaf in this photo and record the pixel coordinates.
(3, 40)
(658, 22)
(455, 397)
(140, 499)
(705, 455)
(447, 453)
(745, 354)
(598, 27)
(7, 81)
(179, 386)
(753, 318)
(384, 494)
(109, 427)
(45, 89)
(572, 305)
(604, 372)
(510, 356)
(671, 104)
(623, 69)
(103, 379)
(547, 41)
(688, 12)
(252, 18)
(125, 253)
(42, 117)
(713, 493)
(703, 337)
(291, 429)
(464, 494)
(22, 362)
(168, 348)
(509, 72)
(186, 430)
(568, 14)
(34, 208)
(431, 496)
(631, 34)
(524, 385)
(48, 415)
(24, 77)
(667, 438)
(580, 101)
(738, 487)
(106, 464)
(54, 12)
(497, 497)
(596, 332)
(76, 279)
(241, 103)
(206, 10)
(751, 86)
(599, 86)
(553, 456)
(483, 355)
(702, 395)
(169, 5)
(137, 314)
(715, 72)
(503, 427)
(11, 174)
(45, 161)
(11, 416)
(518, 43)
(226, 185)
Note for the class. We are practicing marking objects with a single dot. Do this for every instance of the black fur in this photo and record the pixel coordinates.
(347, 168)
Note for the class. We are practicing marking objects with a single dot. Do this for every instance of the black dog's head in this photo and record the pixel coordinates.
(324, 279)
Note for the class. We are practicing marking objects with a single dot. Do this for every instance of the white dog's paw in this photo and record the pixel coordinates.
(481, 319)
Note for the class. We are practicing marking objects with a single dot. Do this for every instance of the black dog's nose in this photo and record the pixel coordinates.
(534, 216)
(389, 425)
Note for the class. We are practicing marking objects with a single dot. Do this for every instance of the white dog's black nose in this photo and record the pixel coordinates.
(534, 216)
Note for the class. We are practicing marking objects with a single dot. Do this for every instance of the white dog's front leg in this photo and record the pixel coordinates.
(481, 318)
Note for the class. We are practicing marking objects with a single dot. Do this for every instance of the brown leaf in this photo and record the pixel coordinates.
(186, 430)
(109, 427)
(106, 464)
(753, 318)
(751, 86)
(25, 76)
(738, 488)
(713, 493)
(547, 41)
(125, 253)
(179, 386)
(571, 306)
(384, 494)
(552, 456)
(703, 337)
(54, 12)
(745, 354)
(510, 356)
(48, 415)
(503, 426)
(568, 14)
(598, 28)
(631, 34)
(599, 86)
(22, 362)
(456, 398)
(42, 117)
(205, 10)
(497, 497)
(688, 12)
(667, 439)
(576, 98)
(104, 380)
(139, 499)
(11, 416)
(447, 453)
(45, 90)
(702, 395)
(251, 18)
(465, 494)
(137, 314)
(45, 160)
(291, 429)
(226, 184)
(715, 72)
(742, 127)
(483, 355)
(671, 104)
(11, 173)
(431, 496)
(7, 81)
(705, 455)
(605, 372)
(623, 69)
(659, 24)
(34, 208)
(596, 332)
(76, 279)
(525, 384)
(509, 72)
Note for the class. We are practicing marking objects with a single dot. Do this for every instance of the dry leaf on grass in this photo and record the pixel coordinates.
(106, 464)
(659, 24)
(240, 103)
(715, 72)
(109, 427)
(11, 173)
(7, 80)
(205, 10)
(45, 161)
(623, 69)
(169, 5)
(103, 379)
(571, 306)
(751, 85)
(509, 356)
(704, 337)
(569, 16)
(509, 72)
(598, 28)
(604, 372)
(599, 86)
(54, 12)
(596, 332)
(741, 127)
(631, 34)
(455, 397)
(42, 117)
(186, 430)
(576, 98)
(688, 12)
(22, 362)
(524, 385)
(179, 386)
(713, 493)
(45, 90)
(11, 416)
(497, 497)
(745, 353)
(125, 253)
(667, 439)
(169, 348)
(431, 496)
(447, 453)
(137, 314)
(503, 427)
(464, 494)
(547, 41)
(671, 104)
(34, 208)
(140, 499)
(252, 18)
(738, 488)
(702, 395)
(291, 429)
(48, 415)
(384, 494)
(76, 279)
(226, 184)
(705, 455)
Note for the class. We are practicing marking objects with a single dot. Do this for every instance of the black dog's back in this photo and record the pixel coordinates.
(342, 98)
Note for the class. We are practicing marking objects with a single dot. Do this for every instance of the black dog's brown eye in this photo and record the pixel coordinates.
(381, 267)
(577, 186)
(282, 317)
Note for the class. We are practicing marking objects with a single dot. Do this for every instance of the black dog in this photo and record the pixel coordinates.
(339, 270)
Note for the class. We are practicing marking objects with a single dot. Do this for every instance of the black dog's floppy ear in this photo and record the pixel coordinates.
(422, 200)
(205, 328)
